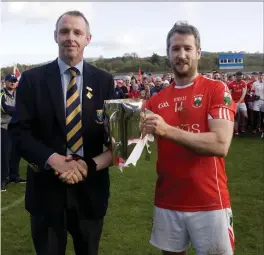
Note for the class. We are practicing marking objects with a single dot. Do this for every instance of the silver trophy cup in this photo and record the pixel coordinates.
(123, 116)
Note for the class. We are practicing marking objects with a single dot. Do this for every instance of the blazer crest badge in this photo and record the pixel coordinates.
(99, 116)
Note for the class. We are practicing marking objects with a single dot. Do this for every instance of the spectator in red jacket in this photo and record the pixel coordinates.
(134, 92)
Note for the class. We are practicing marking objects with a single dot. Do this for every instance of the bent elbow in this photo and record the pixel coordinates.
(222, 154)
(223, 150)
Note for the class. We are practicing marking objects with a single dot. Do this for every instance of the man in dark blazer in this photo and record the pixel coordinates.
(58, 129)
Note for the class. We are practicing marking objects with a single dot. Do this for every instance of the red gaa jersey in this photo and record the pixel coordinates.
(134, 94)
(236, 89)
(186, 180)
(249, 87)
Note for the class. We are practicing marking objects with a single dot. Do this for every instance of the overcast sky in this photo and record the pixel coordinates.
(118, 28)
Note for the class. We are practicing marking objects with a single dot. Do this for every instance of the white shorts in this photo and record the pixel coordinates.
(241, 107)
(210, 232)
(258, 106)
(250, 105)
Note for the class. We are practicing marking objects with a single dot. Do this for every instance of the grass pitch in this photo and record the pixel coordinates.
(128, 222)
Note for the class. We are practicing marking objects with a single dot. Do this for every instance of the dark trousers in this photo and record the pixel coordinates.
(5, 155)
(258, 120)
(14, 164)
(49, 233)
(9, 158)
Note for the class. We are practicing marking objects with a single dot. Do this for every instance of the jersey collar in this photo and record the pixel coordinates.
(174, 85)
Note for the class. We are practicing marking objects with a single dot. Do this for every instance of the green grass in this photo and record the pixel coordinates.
(128, 222)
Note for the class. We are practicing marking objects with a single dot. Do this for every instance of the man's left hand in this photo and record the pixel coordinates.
(72, 177)
(155, 124)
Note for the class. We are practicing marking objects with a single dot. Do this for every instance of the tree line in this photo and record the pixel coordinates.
(131, 62)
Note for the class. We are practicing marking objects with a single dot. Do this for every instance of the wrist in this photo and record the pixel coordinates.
(92, 166)
(76, 157)
(168, 130)
(90, 162)
(51, 161)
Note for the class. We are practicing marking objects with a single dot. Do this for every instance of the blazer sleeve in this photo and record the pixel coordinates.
(22, 126)
(110, 95)
(111, 88)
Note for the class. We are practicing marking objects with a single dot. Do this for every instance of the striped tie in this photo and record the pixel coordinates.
(73, 114)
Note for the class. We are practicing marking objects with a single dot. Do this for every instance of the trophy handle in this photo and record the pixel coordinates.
(113, 114)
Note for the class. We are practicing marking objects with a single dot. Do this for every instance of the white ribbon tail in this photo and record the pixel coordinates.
(132, 141)
(137, 151)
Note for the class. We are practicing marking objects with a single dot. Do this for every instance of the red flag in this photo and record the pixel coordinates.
(16, 72)
(139, 75)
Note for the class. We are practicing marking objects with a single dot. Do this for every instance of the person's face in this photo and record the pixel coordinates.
(72, 37)
(209, 75)
(224, 77)
(11, 84)
(142, 93)
(217, 76)
(151, 85)
(254, 77)
(261, 77)
(135, 87)
(133, 82)
(183, 55)
(127, 82)
(238, 77)
(145, 82)
(233, 78)
(168, 77)
(248, 77)
(158, 82)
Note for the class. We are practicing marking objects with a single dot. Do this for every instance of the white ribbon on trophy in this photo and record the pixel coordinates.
(140, 145)
(137, 152)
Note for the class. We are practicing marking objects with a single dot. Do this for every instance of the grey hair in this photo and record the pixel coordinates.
(182, 27)
(127, 77)
(76, 14)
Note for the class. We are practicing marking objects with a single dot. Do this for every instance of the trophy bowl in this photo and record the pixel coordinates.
(123, 117)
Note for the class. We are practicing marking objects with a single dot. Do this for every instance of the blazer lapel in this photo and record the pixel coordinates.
(56, 93)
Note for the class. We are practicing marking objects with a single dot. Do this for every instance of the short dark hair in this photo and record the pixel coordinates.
(182, 27)
(76, 14)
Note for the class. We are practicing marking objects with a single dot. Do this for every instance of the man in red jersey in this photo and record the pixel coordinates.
(249, 99)
(238, 89)
(193, 122)
(134, 91)
(230, 78)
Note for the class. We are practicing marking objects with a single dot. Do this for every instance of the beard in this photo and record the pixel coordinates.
(187, 71)
(184, 69)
